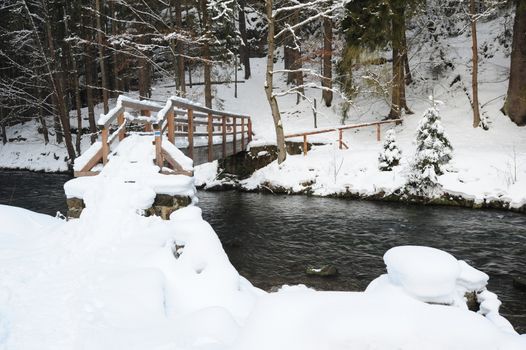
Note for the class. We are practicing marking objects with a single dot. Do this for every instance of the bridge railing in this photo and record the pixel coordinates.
(177, 118)
(340, 130)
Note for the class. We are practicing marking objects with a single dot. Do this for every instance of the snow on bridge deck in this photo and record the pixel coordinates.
(178, 128)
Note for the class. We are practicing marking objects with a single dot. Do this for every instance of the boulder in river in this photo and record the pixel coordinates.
(324, 271)
(519, 282)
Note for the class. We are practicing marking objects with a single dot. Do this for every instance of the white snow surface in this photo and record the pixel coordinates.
(113, 279)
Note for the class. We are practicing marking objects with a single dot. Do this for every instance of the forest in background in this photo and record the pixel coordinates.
(57, 57)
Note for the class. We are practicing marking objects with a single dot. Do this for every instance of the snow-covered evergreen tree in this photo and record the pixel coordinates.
(433, 152)
(390, 155)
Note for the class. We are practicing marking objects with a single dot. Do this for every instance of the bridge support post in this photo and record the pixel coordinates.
(378, 132)
(105, 146)
(158, 145)
(171, 126)
(223, 130)
(190, 133)
(249, 130)
(305, 147)
(340, 138)
(120, 122)
(210, 138)
(242, 133)
(234, 138)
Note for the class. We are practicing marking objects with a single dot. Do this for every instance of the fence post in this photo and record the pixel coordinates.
(249, 129)
(234, 138)
(223, 127)
(158, 145)
(305, 148)
(377, 132)
(190, 133)
(120, 122)
(105, 146)
(147, 125)
(171, 125)
(210, 137)
(242, 133)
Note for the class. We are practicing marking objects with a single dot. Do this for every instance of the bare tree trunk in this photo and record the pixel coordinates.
(101, 56)
(2, 126)
(408, 75)
(245, 47)
(515, 106)
(278, 125)
(180, 50)
(326, 81)
(90, 72)
(206, 56)
(74, 77)
(41, 118)
(59, 95)
(117, 80)
(474, 72)
(398, 101)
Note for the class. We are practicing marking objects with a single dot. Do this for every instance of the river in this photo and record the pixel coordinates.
(271, 239)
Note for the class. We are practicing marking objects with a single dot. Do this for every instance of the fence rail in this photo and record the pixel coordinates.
(340, 130)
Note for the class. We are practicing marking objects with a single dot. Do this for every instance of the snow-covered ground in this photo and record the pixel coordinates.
(114, 279)
(487, 165)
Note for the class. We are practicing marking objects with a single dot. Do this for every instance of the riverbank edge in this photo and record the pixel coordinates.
(446, 199)
(39, 171)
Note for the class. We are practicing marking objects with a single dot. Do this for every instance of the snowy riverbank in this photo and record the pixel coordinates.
(120, 280)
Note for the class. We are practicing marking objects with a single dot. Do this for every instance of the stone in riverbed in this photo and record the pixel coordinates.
(519, 282)
(324, 271)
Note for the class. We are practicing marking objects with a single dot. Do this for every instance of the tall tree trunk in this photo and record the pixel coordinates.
(398, 85)
(206, 56)
(2, 126)
(59, 93)
(278, 125)
(515, 106)
(245, 47)
(408, 75)
(117, 79)
(474, 72)
(326, 81)
(74, 81)
(181, 79)
(41, 117)
(90, 70)
(102, 62)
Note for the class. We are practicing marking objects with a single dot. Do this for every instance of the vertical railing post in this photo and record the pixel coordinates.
(340, 138)
(210, 137)
(242, 133)
(190, 133)
(234, 136)
(120, 122)
(157, 131)
(171, 125)
(305, 148)
(377, 132)
(105, 145)
(223, 128)
(147, 125)
(249, 129)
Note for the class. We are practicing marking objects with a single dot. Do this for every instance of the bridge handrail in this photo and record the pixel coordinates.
(190, 117)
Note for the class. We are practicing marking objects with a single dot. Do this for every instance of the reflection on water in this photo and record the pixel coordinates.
(272, 239)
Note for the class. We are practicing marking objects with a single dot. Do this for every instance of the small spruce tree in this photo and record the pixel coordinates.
(390, 155)
(433, 152)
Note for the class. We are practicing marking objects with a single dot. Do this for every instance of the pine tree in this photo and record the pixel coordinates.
(391, 154)
(433, 152)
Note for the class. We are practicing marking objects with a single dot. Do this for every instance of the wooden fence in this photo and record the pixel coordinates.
(340, 130)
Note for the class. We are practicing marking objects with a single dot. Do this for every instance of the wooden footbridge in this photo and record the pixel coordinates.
(200, 133)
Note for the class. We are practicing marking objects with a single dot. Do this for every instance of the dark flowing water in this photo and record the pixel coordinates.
(272, 239)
